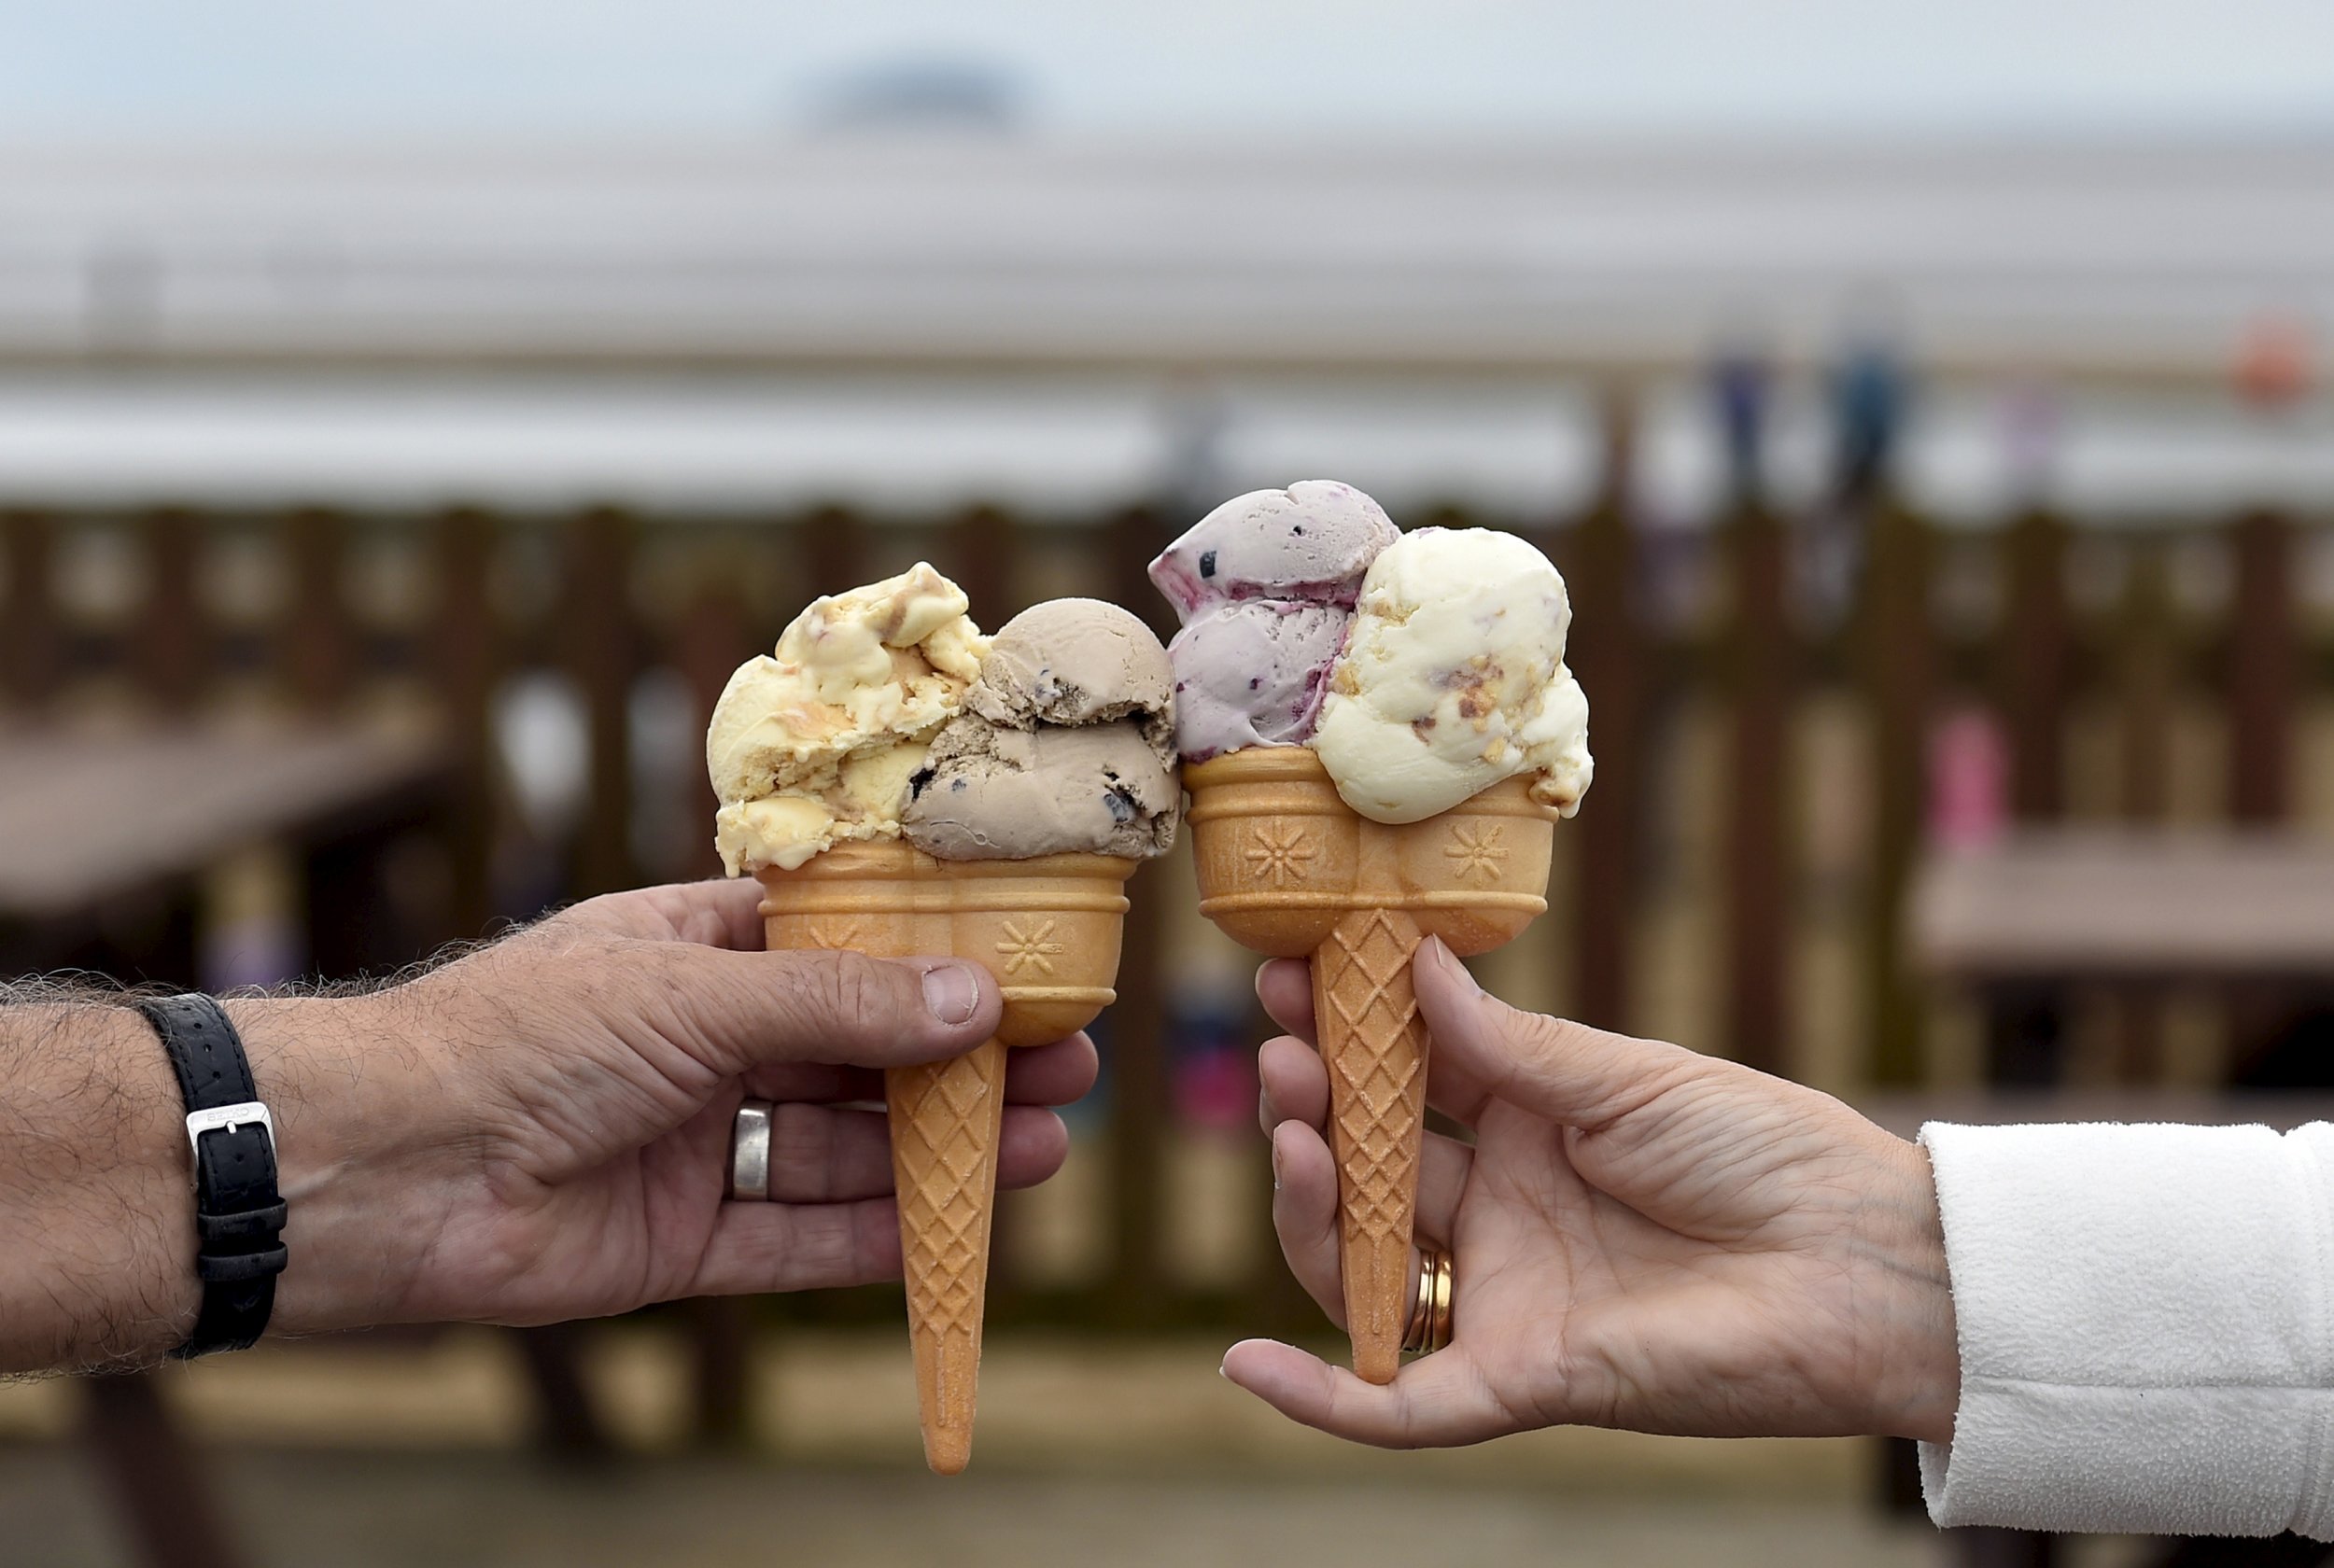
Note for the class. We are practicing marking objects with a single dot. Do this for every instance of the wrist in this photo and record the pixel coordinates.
(1918, 1364)
(357, 1118)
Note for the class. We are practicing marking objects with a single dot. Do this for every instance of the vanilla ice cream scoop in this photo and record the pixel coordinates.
(1453, 679)
(817, 742)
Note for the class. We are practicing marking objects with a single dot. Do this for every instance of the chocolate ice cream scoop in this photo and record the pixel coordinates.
(1065, 743)
(1072, 661)
(996, 793)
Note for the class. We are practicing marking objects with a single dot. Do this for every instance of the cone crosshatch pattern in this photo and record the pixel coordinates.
(1048, 929)
(1378, 1102)
(944, 1120)
(1288, 869)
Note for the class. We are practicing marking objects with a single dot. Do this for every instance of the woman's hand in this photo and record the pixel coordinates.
(1642, 1237)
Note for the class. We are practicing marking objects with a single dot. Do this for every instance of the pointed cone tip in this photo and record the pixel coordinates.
(947, 1451)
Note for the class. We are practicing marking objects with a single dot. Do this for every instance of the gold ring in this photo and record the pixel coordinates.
(1429, 1327)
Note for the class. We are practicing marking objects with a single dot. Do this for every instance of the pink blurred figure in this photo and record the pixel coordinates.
(1969, 781)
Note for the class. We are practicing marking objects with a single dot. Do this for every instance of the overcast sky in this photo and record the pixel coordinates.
(1329, 69)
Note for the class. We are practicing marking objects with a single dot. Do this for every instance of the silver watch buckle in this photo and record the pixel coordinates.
(227, 1118)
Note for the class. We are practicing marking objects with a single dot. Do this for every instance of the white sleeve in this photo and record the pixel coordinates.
(2146, 1322)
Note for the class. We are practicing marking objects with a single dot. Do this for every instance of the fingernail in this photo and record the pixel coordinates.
(1276, 1165)
(1450, 961)
(951, 993)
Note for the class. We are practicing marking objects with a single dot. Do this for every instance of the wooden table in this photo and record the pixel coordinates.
(2023, 922)
(2119, 905)
(94, 821)
(100, 826)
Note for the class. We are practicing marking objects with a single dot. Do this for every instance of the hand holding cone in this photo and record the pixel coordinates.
(1379, 734)
(902, 785)
(1048, 930)
(1287, 868)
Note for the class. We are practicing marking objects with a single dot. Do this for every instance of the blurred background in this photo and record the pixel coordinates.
(409, 414)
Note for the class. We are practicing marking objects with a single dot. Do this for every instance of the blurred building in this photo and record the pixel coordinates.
(913, 320)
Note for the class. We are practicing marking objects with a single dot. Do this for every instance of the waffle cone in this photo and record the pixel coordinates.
(1288, 868)
(1048, 930)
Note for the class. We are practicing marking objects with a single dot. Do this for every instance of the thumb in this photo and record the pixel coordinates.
(1568, 1072)
(742, 1009)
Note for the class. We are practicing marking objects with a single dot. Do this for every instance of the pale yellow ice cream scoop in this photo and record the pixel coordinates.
(1453, 679)
(815, 744)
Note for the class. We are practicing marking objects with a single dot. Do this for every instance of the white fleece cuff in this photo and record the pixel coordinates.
(2144, 1328)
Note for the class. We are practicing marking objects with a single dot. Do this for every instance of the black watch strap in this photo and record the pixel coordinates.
(238, 1213)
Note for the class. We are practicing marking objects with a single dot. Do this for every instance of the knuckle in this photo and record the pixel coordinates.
(802, 1147)
(1542, 1040)
(1558, 1050)
(845, 993)
(824, 1254)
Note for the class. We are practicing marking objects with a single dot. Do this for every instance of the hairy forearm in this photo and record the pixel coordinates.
(96, 1206)
(97, 1239)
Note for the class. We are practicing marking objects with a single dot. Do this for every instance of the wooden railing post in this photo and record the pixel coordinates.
(2035, 648)
(29, 651)
(2262, 670)
(601, 655)
(834, 543)
(1759, 657)
(714, 637)
(1897, 638)
(2026, 1029)
(170, 643)
(1140, 1089)
(982, 550)
(465, 651)
(2147, 673)
(319, 646)
(163, 1493)
(1606, 654)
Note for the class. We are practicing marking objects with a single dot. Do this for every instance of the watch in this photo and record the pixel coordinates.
(238, 1213)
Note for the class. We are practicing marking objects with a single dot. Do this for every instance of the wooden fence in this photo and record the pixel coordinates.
(1746, 645)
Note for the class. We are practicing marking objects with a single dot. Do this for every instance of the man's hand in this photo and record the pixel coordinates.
(1642, 1237)
(541, 1130)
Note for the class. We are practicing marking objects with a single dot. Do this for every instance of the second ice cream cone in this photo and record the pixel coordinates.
(1288, 868)
(1048, 929)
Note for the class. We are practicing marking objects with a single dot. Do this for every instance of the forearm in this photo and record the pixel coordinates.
(96, 1210)
(97, 1239)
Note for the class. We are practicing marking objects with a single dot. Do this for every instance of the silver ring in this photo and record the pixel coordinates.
(750, 1152)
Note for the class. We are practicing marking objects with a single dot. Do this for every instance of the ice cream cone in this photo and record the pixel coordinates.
(1048, 930)
(1288, 869)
